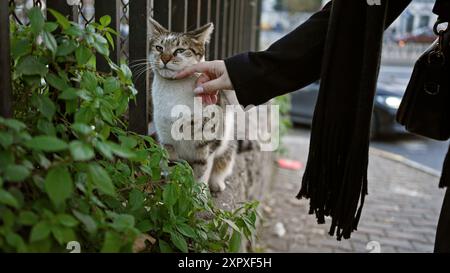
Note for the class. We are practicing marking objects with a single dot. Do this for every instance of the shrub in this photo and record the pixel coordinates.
(70, 170)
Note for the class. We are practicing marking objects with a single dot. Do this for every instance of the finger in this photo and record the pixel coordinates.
(202, 79)
(197, 68)
(210, 86)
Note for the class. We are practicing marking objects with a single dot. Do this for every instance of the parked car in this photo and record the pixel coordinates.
(422, 35)
(391, 86)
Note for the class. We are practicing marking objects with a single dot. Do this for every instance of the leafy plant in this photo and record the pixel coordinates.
(284, 102)
(70, 170)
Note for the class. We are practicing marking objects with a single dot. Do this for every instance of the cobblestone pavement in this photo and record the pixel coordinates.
(400, 213)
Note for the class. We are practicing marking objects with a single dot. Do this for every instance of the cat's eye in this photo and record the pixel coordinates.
(159, 48)
(179, 51)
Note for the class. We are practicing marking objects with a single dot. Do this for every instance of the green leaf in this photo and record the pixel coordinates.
(164, 247)
(186, 230)
(16, 173)
(121, 151)
(66, 47)
(20, 48)
(123, 222)
(89, 81)
(63, 234)
(112, 243)
(104, 149)
(81, 151)
(7, 198)
(58, 185)
(105, 20)
(170, 194)
(30, 65)
(235, 242)
(128, 142)
(231, 224)
(110, 39)
(40, 231)
(6, 158)
(144, 226)
(100, 178)
(50, 42)
(37, 20)
(67, 220)
(81, 128)
(101, 45)
(68, 94)
(107, 114)
(50, 26)
(46, 127)
(13, 124)
(56, 82)
(46, 144)
(179, 241)
(6, 139)
(83, 55)
(126, 71)
(111, 85)
(16, 241)
(28, 218)
(88, 221)
(62, 21)
(46, 107)
(136, 199)
(74, 30)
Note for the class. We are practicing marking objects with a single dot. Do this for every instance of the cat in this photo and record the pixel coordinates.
(170, 52)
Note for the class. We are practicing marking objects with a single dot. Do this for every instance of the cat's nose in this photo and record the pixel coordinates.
(166, 58)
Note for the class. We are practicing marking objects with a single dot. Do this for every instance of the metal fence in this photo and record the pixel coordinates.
(236, 30)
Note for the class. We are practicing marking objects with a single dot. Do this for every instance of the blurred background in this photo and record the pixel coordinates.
(405, 40)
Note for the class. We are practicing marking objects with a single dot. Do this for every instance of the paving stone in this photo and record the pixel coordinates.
(401, 210)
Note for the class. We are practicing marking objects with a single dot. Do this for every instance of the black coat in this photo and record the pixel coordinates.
(341, 45)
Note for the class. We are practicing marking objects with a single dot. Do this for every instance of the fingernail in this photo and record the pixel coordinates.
(198, 90)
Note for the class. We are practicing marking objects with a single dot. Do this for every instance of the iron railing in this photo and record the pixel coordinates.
(236, 30)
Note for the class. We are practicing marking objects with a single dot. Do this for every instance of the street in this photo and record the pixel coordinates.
(424, 151)
(399, 216)
(427, 152)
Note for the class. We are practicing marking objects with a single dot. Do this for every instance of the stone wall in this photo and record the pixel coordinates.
(250, 180)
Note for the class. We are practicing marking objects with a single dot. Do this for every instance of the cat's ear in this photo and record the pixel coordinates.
(156, 28)
(202, 34)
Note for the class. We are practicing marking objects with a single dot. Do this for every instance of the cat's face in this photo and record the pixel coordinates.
(171, 52)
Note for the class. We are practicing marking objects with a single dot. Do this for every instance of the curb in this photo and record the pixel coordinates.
(403, 160)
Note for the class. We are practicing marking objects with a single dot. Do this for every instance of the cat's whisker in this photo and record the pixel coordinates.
(140, 73)
(138, 60)
(139, 65)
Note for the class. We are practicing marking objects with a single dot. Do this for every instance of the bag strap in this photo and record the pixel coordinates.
(442, 9)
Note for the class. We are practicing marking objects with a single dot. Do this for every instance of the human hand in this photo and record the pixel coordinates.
(214, 77)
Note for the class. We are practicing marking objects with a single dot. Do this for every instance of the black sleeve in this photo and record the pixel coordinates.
(289, 64)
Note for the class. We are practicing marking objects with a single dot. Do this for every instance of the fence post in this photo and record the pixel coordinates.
(5, 75)
(257, 28)
(138, 111)
(63, 8)
(102, 8)
(178, 16)
(161, 12)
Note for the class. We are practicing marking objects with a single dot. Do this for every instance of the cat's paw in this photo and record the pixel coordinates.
(217, 186)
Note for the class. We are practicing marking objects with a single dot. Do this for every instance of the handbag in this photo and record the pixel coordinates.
(425, 107)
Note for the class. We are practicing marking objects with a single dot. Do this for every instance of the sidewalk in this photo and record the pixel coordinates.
(400, 213)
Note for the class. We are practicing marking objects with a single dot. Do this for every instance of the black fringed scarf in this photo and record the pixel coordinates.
(335, 178)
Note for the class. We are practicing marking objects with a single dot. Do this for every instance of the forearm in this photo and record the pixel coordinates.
(289, 64)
